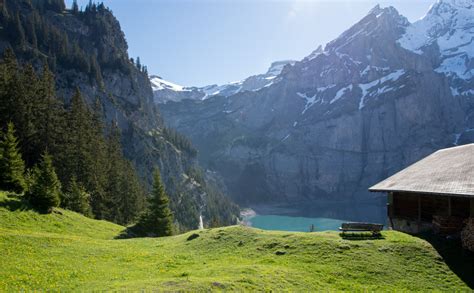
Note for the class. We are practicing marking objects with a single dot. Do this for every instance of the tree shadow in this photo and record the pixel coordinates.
(361, 236)
(459, 260)
(124, 234)
(15, 203)
(130, 232)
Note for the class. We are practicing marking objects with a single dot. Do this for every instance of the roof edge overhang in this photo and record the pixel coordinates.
(424, 192)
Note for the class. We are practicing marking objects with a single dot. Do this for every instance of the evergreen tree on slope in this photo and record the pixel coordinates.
(12, 166)
(77, 199)
(45, 191)
(157, 221)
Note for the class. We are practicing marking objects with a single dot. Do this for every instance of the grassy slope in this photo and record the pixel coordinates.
(70, 251)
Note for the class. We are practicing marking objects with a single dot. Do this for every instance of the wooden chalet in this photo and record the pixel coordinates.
(436, 193)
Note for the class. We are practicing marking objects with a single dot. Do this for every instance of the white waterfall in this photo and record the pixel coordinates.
(201, 223)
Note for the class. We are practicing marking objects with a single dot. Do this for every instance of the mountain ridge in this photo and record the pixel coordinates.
(339, 120)
(165, 91)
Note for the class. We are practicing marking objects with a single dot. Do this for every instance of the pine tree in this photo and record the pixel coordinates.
(10, 60)
(78, 141)
(101, 7)
(77, 199)
(75, 7)
(159, 207)
(49, 114)
(99, 164)
(132, 199)
(157, 221)
(45, 191)
(118, 193)
(24, 121)
(112, 204)
(83, 153)
(8, 83)
(55, 5)
(139, 64)
(12, 167)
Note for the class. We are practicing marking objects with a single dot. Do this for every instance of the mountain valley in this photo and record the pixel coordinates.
(371, 102)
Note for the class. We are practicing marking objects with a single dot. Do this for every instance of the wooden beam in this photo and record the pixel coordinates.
(419, 208)
(472, 207)
(449, 206)
(390, 204)
(390, 209)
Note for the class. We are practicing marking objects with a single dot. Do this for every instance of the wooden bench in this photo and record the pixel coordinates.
(361, 227)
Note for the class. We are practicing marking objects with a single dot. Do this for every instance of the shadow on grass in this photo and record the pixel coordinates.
(15, 203)
(124, 234)
(459, 260)
(361, 236)
(129, 232)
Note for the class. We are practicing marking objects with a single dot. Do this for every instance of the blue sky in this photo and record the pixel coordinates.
(201, 42)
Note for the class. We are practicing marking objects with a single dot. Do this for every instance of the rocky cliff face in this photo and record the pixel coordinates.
(376, 99)
(94, 37)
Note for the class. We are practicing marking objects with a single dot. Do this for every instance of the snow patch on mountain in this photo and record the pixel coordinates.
(310, 101)
(367, 88)
(459, 92)
(226, 90)
(316, 98)
(373, 68)
(341, 93)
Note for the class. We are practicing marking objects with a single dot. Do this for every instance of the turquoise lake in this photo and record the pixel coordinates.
(324, 215)
(286, 223)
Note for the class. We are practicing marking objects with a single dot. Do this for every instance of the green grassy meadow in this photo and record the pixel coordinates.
(66, 251)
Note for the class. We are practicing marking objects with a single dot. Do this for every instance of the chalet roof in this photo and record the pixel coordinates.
(446, 172)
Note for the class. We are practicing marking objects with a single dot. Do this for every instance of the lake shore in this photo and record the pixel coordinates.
(246, 215)
(322, 215)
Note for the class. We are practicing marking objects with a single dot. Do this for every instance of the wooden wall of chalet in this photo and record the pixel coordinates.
(406, 205)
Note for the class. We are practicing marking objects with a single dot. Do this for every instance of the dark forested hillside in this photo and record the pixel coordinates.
(70, 88)
(75, 136)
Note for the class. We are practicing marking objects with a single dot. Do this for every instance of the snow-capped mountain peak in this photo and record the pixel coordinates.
(444, 18)
(158, 83)
(165, 91)
(449, 25)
